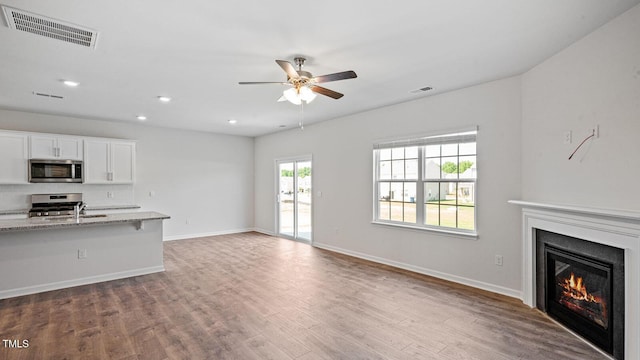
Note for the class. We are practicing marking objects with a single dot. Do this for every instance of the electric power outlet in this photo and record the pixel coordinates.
(595, 131)
(498, 260)
(82, 253)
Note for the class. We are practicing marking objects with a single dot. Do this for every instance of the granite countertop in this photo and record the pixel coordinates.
(14, 212)
(111, 207)
(68, 221)
(88, 208)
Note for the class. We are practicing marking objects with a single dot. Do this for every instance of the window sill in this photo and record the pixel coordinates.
(461, 234)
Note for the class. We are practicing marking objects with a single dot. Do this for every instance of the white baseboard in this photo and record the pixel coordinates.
(437, 274)
(263, 231)
(199, 235)
(5, 294)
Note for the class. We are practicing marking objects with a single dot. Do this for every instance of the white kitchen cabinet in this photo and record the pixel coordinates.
(56, 147)
(14, 155)
(109, 161)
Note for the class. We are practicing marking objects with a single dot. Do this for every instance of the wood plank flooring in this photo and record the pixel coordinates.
(252, 296)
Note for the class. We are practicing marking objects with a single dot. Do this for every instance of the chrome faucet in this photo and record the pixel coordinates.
(78, 209)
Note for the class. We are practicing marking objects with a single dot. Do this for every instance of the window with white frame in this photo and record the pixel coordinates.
(427, 182)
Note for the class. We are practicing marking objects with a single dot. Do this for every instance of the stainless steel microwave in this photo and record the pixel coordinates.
(55, 171)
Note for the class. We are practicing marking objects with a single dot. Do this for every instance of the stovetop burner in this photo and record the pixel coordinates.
(54, 204)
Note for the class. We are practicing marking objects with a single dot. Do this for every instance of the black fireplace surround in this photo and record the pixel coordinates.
(581, 284)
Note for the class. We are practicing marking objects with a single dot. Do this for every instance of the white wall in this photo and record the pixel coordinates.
(204, 178)
(594, 81)
(342, 170)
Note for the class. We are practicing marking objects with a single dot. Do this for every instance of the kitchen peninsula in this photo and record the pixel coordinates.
(42, 254)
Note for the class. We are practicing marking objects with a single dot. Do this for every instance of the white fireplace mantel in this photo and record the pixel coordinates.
(617, 228)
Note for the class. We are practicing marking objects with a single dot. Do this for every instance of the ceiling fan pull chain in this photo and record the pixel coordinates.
(301, 123)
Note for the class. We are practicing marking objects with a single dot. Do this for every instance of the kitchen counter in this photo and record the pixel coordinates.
(25, 212)
(44, 254)
(112, 207)
(37, 223)
(14, 212)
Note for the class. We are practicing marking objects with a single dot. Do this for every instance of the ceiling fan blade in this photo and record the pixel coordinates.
(261, 82)
(288, 68)
(334, 77)
(326, 92)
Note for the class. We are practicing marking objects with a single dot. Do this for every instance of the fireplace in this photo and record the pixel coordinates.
(580, 301)
(616, 229)
(581, 285)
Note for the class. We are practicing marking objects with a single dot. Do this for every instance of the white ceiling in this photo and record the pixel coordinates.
(196, 51)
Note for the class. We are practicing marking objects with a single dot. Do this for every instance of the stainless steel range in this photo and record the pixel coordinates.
(56, 204)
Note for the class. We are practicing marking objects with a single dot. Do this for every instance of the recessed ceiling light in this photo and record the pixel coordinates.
(233, 121)
(70, 83)
(164, 99)
(141, 117)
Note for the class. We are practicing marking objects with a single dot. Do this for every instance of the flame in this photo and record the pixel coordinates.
(574, 287)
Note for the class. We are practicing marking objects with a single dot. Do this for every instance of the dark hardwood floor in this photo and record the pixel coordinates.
(252, 296)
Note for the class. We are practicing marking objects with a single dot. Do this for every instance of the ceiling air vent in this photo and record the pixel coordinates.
(48, 27)
(424, 89)
(52, 96)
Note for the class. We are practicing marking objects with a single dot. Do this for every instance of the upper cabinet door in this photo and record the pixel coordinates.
(123, 162)
(43, 147)
(14, 156)
(70, 148)
(56, 147)
(96, 161)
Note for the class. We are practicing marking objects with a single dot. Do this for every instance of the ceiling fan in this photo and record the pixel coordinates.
(303, 83)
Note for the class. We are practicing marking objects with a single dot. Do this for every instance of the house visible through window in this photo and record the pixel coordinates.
(427, 182)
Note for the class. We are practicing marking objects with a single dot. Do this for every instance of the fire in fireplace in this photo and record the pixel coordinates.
(575, 296)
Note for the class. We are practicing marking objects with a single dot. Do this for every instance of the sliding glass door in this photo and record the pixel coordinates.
(294, 198)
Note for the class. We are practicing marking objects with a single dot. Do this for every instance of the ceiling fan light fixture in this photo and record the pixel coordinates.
(306, 94)
(293, 96)
(297, 95)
